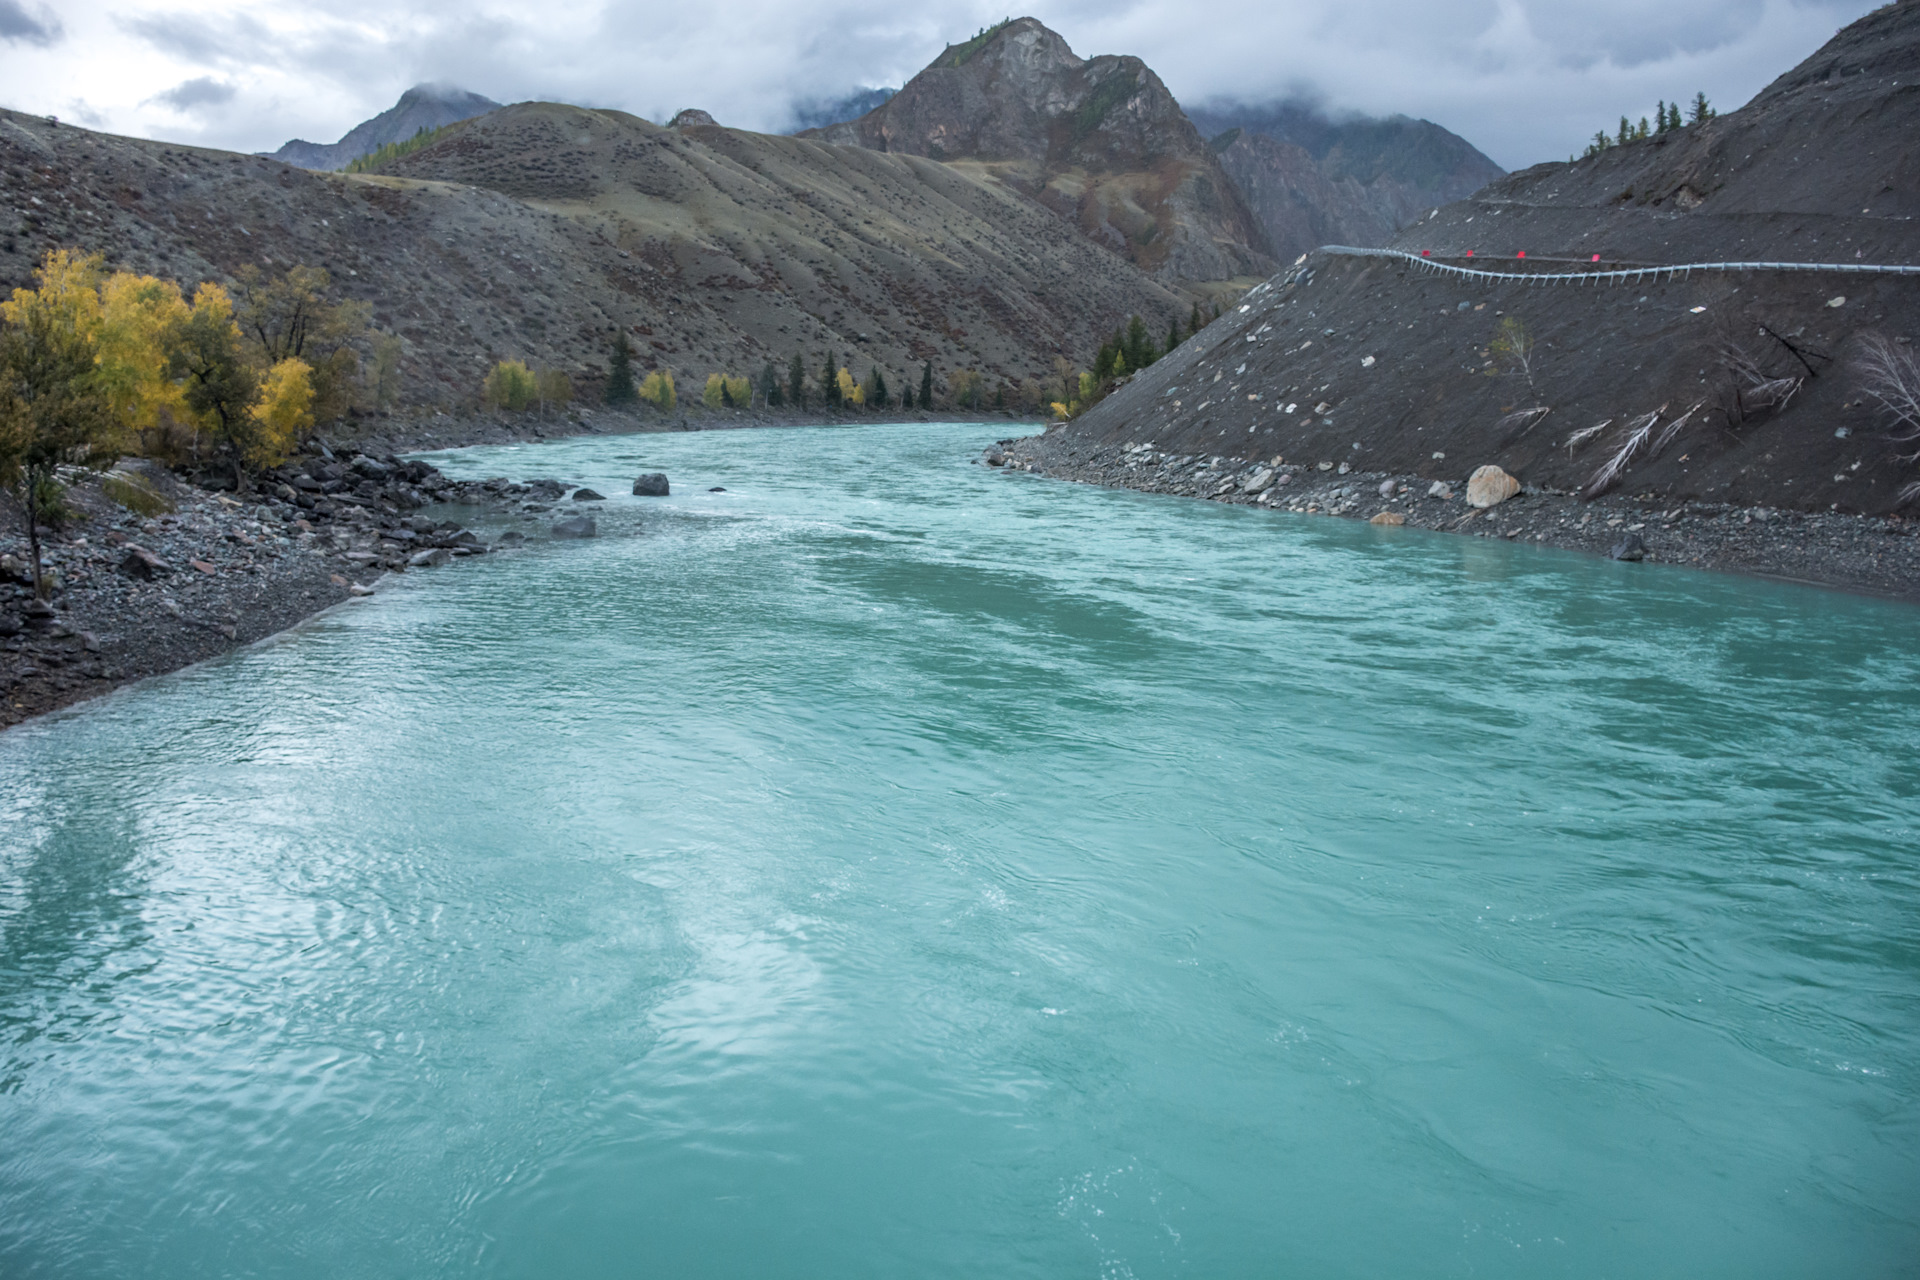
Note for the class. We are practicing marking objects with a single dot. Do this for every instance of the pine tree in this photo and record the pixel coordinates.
(1138, 346)
(830, 382)
(1702, 110)
(770, 386)
(926, 385)
(1626, 132)
(1107, 357)
(906, 396)
(1173, 334)
(797, 382)
(877, 389)
(620, 388)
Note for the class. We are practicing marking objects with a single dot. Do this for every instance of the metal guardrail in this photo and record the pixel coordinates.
(1631, 273)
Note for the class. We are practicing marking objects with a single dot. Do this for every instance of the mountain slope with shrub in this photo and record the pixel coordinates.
(538, 231)
(1744, 387)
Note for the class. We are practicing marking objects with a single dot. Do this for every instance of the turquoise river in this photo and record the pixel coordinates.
(890, 867)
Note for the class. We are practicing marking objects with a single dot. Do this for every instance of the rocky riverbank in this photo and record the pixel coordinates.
(150, 573)
(1876, 554)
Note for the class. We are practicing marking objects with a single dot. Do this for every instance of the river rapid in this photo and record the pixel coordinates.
(892, 867)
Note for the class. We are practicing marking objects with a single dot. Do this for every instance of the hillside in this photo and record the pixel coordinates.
(538, 230)
(1392, 369)
(425, 106)
(1312, 180)
(1099, 140)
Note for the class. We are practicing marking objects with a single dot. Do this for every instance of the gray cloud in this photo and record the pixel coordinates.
(221, 40)
(201, 91)
(1525, 80)
(20, 26)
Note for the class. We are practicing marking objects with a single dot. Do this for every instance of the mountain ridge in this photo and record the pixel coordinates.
(425, 106)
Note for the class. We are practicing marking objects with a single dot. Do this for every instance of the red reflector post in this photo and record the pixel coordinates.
(1469, 253)
(1523, 253)
(1426, 253)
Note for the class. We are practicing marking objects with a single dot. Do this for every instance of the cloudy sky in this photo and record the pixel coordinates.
(1525, 80)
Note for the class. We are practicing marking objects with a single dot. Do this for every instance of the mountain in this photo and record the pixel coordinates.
(425, 106)
(1391, 368)
(1100, 141)
(538, 231)
(1312, 180)
(819, 114)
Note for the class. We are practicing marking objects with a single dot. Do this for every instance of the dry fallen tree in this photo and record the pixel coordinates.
(1890, 376)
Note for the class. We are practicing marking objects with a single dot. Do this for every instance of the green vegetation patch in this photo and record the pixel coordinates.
(425, 137)
(960, 54)
(1111, 92)
(134, 494)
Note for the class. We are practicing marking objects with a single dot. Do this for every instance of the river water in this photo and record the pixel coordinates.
(890, 867)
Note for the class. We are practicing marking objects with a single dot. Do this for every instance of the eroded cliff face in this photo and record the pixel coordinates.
(1098, 140)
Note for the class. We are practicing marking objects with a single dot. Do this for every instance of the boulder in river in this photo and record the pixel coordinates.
(653, 485)
(432, 558)
(575, 527)
(1490, 486)
(588, 495)
(511, 538)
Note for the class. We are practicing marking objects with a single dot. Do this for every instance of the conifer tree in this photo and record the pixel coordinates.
(1702, 110)
(1626, 132)
(770, 386)
(620, 387)
(926, 385)
(1173, 335)
(877, 389)
(797, 382)
(830, 382)
(906, 396)
(1138, 346)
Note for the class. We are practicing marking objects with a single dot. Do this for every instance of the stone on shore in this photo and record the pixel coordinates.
(1628, 548)
(653, 485)
(143, 564)
(575, 527)
(1259, 481)
(1388, 518)
(1490, 486)
(432, 558)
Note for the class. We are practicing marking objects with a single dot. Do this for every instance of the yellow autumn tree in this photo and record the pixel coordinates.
(141, 317)
(657, 390)
(850, 391)
(282, 415)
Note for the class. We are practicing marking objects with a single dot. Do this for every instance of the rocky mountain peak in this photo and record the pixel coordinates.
(1099, 140)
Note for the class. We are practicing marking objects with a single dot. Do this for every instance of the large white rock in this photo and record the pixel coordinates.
(1490, 486)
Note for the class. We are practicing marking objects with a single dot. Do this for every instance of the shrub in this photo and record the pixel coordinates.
(556, 388)
(963, 387)
(135, 495)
